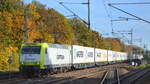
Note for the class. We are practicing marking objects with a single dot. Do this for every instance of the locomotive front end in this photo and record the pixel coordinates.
(31, 58)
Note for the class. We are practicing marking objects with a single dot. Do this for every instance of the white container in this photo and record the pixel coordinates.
(82, 54)
(100, 55)
(58, 55)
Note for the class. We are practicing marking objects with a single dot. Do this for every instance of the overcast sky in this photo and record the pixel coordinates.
(102, 23)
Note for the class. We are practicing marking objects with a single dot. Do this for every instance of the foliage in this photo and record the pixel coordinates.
(142, 66)
(38, 5)
(56, 26)
(9, 5)
(113, 44)
(83, 36)
(11, 51)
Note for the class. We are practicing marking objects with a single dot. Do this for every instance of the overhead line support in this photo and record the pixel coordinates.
(89, 20)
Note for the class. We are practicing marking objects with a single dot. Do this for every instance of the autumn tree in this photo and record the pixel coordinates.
(56, 26)
(38, 4)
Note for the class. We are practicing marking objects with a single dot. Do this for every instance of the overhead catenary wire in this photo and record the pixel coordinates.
(84, 3)
(136, 3)
(74, 3)
(128, 13)
(122, 33)
(125, 37)
(111, 22)
(109, 16)
(128, 32)
(135, 17)
(74, 14)
(126, 18)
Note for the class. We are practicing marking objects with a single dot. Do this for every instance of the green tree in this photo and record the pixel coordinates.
(38, 4)
(9, 5)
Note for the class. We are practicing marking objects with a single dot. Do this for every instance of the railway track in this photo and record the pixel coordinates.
(83, 76)
(68, 77)
(11, 75)
(118, 76)
(64, 78)
(59, 80)
(130, 78)
(104, 77)
(109, 76)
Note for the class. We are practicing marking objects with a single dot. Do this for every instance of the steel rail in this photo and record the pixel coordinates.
(61, 80)
(104, 78)
(118, 79)
(80, 77)
(131, 78)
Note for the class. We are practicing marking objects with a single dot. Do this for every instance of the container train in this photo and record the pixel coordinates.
(52, 58)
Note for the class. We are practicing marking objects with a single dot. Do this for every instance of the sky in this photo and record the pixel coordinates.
(102, 14)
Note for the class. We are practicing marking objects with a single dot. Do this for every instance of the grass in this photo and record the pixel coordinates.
(142, 66)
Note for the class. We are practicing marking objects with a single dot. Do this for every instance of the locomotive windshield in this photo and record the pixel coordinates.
(31, 50)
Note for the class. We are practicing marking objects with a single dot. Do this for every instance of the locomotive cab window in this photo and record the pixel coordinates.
(31, 50)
